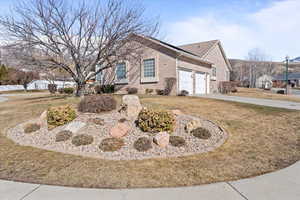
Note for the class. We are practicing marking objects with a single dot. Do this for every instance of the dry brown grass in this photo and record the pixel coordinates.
(264, 94)
(261, 140)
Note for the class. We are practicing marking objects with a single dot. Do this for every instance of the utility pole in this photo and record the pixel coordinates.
(287, 73)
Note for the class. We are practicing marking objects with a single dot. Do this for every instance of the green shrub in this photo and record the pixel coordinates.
(82, 140)
(107, 89)
(143, 144)
(68, 90)
(201, 133)
(111, 144)
(177, 141)
(63, 136)
(30, 128)
(97, 104)
(155, 121)
(61, 115)
(52, 88)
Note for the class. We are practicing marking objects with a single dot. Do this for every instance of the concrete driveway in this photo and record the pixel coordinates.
(280, 185)
(263, 102)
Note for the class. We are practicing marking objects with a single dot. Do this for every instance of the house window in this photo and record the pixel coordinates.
(121, 71)
(149, 68)
(214, 71)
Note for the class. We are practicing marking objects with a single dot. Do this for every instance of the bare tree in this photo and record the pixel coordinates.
(23, 77)
(77, 38)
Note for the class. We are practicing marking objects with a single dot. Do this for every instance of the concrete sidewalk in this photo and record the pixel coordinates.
(262, 102)
(281, 185)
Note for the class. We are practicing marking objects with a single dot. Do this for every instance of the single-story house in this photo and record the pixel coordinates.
(197, 68)
(293, 79)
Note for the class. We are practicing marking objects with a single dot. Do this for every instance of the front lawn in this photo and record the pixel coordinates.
(264, 94)
(261, 140)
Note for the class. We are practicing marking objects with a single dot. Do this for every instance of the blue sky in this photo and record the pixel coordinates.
(241, 25)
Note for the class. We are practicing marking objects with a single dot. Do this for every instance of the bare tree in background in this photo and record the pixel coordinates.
(77, 38)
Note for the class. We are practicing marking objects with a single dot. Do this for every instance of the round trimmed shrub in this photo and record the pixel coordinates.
(132, 90)
(111, 144)
(30, 128)
(61, 115)
(82, 140)
(177, 141)
(155, 121)
(52, 88)
(143, 144)
(97, 104)
(201, 133)
(63, 136)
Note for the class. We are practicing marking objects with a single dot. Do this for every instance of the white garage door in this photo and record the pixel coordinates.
(200, 83)
(186, 81)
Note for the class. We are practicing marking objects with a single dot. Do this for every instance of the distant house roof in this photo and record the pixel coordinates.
(291, 76)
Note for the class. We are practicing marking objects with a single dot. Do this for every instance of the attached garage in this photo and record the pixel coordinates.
(185, 78)
(196, 83)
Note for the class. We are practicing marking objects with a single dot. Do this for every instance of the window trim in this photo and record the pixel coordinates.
(213, 73)
(149, 79)
(122, 80)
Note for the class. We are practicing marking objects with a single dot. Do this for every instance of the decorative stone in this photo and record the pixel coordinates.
(161, 139)
(75, 126)
(191, 125)
(131, 106)
(119, 130)
(177, 112)
(43, 119)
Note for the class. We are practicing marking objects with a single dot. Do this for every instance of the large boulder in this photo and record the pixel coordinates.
(191, 125)
(75, 126)
(161, 139)
(119, 130)
(131, 106)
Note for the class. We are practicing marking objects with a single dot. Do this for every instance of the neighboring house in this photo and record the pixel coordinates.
(293, 79)
(264, 82)
(197, 68)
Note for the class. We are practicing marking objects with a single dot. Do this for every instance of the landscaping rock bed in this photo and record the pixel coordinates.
(46, 139)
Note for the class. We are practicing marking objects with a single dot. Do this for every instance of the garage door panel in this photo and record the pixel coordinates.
(200, 83)
(186, 81)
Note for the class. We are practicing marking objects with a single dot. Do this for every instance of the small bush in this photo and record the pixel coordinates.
(111, 144)
(177, 141)
(170, 83)
(98, 89)
(68, 90)
(63, 136)
(60, 90)
(183, 93)
(160, 92)
(30, 128)
(132, 90)
(97, 121)
(143, 144)
(82, 140)
(149, 91)
(155, 121)
(97, 104)
(201, 133)
(108, 89)
(52, 88)
(61, 115)
(226, 87)
(280, 92)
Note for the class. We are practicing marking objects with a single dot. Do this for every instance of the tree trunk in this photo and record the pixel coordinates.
(80, 89)
(25, 87)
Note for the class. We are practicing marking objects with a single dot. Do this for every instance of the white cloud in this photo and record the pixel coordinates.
(275, 29)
